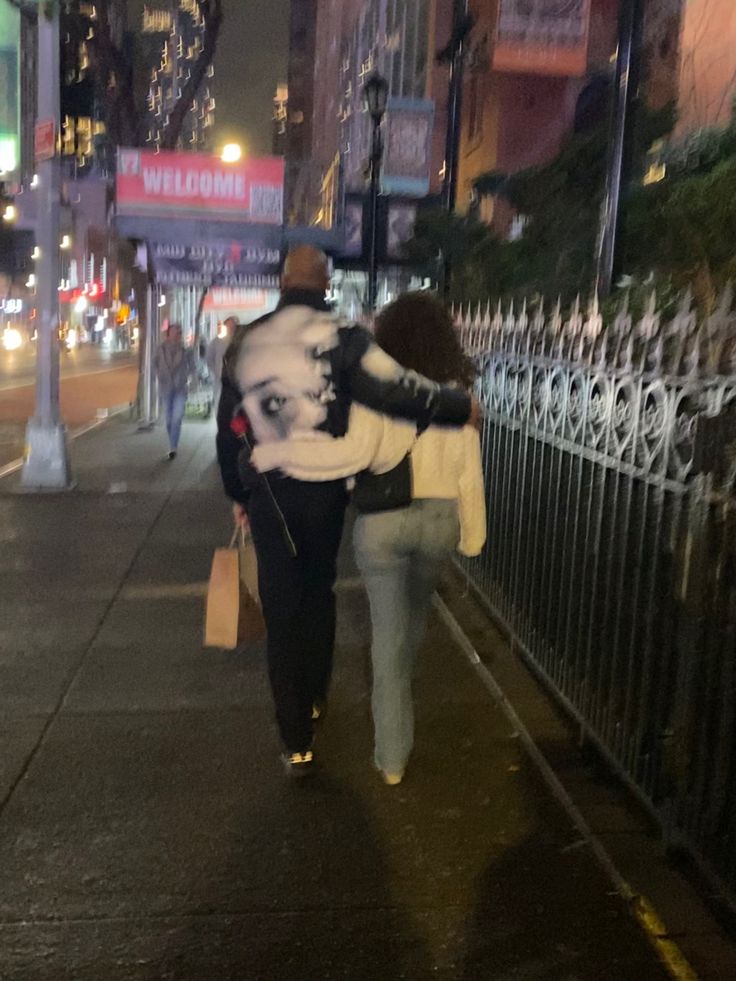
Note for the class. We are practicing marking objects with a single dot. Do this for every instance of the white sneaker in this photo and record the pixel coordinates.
(298, 764)
(392, 779)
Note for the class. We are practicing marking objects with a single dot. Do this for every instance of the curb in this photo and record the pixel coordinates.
(15, 465)
(639, 906)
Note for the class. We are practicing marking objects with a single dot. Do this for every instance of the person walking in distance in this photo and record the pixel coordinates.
(290, 374)
(216, 350)
(401, 551)
(174, 366)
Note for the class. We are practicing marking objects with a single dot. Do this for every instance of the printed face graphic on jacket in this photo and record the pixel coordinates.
(285, 375)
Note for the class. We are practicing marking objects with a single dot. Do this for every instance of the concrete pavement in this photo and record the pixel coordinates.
(146, 828)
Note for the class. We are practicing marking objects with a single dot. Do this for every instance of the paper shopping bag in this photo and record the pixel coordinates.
(223, 600)
(234, 617)
(249, 566)
(251, 626)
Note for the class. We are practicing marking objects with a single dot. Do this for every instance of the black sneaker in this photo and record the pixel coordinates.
(298, 764)
(172, 454)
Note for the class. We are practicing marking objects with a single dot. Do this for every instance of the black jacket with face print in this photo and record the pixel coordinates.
(300, 368)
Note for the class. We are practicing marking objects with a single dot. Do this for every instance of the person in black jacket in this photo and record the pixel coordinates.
(295, 373)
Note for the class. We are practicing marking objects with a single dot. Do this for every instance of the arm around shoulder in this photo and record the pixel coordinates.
(382, 384)
(317, 457)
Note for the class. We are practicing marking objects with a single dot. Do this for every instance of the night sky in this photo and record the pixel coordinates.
(250, 61)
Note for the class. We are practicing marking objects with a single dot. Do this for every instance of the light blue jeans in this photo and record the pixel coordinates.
(401, 555)
(174, 404)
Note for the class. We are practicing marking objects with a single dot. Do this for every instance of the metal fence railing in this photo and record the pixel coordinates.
(610, 456)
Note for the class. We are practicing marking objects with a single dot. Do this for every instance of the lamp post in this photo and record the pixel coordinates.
(618, 169)
(375, 95)
(46, 465)
(454, 56)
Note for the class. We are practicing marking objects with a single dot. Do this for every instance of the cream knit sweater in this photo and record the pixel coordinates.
(446, 463)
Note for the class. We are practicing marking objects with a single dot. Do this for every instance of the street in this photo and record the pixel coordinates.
(91, 378)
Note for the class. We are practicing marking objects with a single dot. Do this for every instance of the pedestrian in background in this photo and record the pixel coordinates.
(174, 366)
(215, 354)
(401, 552)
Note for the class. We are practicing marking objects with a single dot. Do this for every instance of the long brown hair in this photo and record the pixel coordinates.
(418, 332)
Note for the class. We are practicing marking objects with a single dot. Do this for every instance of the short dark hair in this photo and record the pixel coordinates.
(417, 331)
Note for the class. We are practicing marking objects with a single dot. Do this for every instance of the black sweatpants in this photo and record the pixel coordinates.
(297, 593)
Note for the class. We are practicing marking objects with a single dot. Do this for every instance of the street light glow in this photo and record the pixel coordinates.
(231, 153)
(12, 339)
(10, 213)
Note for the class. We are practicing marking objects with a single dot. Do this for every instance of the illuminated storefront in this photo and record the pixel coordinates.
(9, 90)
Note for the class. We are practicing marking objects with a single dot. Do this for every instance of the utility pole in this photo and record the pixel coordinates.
(375, 95)
(454, 56)
(618, 171)
(46, 465)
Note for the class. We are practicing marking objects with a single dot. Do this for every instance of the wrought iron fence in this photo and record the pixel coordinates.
(610, 457)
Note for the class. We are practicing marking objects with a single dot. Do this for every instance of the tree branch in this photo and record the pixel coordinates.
(211, 13)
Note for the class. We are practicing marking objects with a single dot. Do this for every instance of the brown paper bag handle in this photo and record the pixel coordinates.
(237, 531)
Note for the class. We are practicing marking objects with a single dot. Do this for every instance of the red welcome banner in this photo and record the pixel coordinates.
(194, 185)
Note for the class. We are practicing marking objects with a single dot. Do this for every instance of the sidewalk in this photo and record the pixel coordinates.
(147, 831)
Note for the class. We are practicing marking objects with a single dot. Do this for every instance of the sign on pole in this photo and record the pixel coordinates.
(45, 140)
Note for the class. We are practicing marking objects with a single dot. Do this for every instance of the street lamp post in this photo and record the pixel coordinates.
(375, 94)
(626, 94)
(46, 465)
(454, 56)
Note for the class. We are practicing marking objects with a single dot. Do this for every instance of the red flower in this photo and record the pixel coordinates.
(239, 424)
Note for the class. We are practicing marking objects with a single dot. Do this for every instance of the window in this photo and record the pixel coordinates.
(475, 106)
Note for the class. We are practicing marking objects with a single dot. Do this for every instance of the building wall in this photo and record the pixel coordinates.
(514, 120)
(480, 109)
(661, 52)
(301, 80)
(179, 50)
(335, 20)
(438, 81)
(399, 39)
(707, 63)
(335, 45)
